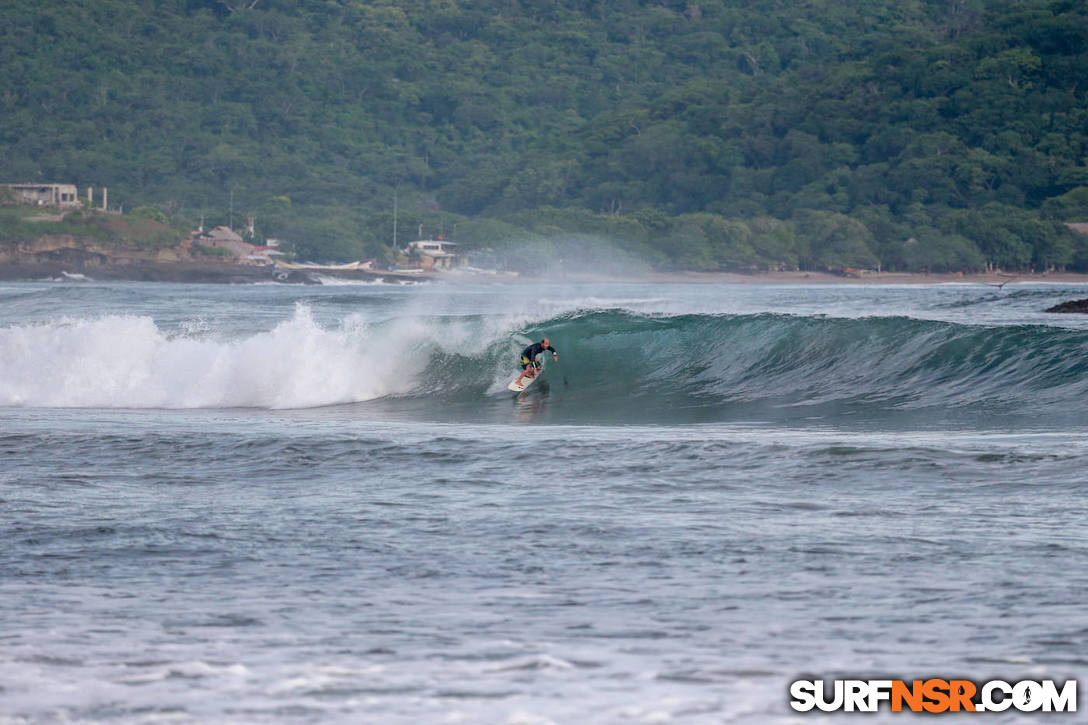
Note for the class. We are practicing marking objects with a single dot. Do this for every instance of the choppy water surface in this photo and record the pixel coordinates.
(275, 504)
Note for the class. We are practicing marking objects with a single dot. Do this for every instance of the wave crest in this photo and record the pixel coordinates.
(713, 362)
(128, 362)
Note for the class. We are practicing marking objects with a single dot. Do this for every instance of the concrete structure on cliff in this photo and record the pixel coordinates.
(63, 196)
(59, 195)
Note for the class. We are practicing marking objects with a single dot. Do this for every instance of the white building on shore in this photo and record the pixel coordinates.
(433, 254)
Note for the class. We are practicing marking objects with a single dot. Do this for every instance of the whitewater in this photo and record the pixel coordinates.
(266, 503)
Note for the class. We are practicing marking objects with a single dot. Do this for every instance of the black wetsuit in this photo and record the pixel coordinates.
(528, 355)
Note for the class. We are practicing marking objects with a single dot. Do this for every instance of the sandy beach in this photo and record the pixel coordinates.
(878, 278)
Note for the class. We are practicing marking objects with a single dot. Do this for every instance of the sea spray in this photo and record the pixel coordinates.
(127, 361)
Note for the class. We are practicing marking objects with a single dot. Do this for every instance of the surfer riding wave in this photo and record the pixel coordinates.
(528, 361)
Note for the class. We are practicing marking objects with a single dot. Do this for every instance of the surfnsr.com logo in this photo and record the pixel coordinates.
(933, 695)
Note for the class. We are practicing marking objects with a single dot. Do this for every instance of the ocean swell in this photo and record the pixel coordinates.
(792, 360)
(713, 362)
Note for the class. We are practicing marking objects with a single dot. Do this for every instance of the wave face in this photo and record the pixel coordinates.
(836, 365)
(639, 365)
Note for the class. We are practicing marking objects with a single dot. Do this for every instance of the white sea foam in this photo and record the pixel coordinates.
(124, 361)
(330, 281)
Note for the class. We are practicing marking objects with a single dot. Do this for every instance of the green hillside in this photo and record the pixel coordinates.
(721, 134)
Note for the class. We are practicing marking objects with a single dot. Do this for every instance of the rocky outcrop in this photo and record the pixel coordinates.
(90, 252)
(66, 264)
(1080, 306)
(56, 255)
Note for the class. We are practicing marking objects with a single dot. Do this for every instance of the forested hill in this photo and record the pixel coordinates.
(706, 134)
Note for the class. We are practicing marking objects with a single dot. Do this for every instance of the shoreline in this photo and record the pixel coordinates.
(992, 279)
(135, 271)
(187, 272)
(219, 273)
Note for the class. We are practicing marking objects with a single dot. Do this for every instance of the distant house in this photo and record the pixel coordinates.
(268, 250)
(433, 254)
(225, 238)
(59, 195)
(1079, 227)
(264, 255)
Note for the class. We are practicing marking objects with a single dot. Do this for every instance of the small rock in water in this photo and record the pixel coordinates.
(1071, 306)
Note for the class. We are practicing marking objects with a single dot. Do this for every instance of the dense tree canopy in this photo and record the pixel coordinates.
(702, 134)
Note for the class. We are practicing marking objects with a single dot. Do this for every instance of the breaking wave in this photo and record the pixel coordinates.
(712, 362)
(129, 362)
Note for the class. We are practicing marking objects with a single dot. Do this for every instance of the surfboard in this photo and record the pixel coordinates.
(525, 382)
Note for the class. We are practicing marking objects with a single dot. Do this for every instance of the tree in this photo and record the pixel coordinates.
(1070, 206)
(835, 240)
(1016, 67)
(150, 212)
(932, 251)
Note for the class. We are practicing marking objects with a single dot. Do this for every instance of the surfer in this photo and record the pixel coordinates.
(529, 365)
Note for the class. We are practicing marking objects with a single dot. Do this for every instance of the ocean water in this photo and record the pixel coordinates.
(274, 504)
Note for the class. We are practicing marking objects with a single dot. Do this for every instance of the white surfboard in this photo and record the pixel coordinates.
(525, 382)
